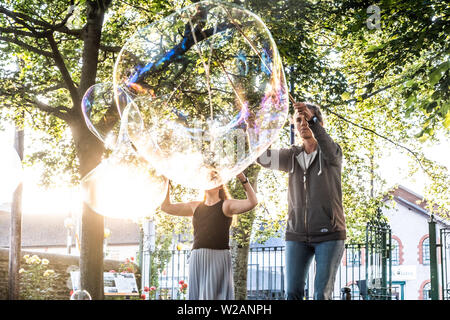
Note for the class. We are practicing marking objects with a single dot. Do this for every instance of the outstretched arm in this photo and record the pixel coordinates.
(236, 206)
(183, 209)
(275, 159)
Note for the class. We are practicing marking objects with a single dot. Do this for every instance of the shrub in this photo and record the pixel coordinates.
(37, 281)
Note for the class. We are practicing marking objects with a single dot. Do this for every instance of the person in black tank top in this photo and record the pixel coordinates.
(210, 269)
(211, 227)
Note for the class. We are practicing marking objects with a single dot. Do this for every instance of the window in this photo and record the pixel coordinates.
(426, 251)
(427, 291)
(395, 254)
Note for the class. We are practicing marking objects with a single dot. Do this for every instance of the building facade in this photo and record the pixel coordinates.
(60, 234)
(411, 249)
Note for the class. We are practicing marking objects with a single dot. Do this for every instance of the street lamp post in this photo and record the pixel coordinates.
(68, 224)
(106, 235)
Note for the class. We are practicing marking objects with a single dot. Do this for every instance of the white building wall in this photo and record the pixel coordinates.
(410, 227)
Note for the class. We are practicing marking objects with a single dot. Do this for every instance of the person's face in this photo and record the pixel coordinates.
(302, 126)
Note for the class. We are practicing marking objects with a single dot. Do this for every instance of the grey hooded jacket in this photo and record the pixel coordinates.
(315, 211)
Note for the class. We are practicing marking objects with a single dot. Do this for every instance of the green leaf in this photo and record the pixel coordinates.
(447, 121)
(345, 96)
(375, 47)
(431, 106)
(411, 100)
(435, 76)
(409, 83)
(408, 112)
(438, 72)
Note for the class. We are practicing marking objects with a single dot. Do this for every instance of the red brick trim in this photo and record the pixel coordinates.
(350, 283)
(422, 286)
(420, 246)
(400, 250)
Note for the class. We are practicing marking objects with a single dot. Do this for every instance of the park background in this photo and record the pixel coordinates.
(379, 71)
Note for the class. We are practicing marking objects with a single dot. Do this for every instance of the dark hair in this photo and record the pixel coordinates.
(316, 110)
(224, 194)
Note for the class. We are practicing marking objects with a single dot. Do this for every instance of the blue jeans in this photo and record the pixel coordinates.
(299, 255)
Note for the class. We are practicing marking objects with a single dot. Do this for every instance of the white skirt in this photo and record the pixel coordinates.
(210, 275)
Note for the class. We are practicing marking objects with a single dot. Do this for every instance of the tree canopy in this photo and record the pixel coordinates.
(380, 73)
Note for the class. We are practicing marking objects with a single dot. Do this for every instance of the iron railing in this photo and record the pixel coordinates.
(378, 284)
(168, 280)
(351, 272)
(266, 274)
(445, 262)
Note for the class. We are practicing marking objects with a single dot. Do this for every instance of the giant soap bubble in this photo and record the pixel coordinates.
(101, 112)
(80, 295)
(123, 185)
(210, 92)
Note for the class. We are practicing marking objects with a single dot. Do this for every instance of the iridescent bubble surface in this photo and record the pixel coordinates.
(209, 92)
(119, 189)
(102, 113)
(80, 295)
(124, 185)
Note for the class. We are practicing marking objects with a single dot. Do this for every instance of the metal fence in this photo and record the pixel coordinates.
(168, 280)
(351, 272)
(266, 274)
(378, 269)
(445, 263)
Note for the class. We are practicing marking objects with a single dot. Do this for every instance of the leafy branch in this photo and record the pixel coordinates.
(366, 96)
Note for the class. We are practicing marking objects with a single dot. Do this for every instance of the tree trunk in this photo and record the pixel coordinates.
(90, 151)
(91, 253)
(240, 257)
(16, 229)
(240, 240)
